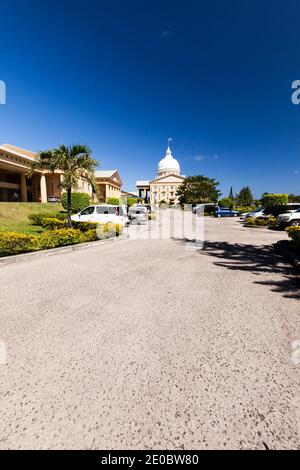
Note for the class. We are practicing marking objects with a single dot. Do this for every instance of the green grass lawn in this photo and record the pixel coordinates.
(14, 215)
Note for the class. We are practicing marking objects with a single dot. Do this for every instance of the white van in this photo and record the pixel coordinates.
(103, 213)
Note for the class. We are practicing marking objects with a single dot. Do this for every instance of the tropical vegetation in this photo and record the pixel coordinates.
(76, 163)
(198, 189)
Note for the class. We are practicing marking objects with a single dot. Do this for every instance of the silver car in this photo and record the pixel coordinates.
(138, 215)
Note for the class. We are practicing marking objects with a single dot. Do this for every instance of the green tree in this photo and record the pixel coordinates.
(275, 204)
(76, 163)
(78, 201)
(198, 189)
(226, 202)
(231, 193)
(245, 196)
(294, 198)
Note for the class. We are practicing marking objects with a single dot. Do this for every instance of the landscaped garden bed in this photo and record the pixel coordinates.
(259, 222)
(54, 233)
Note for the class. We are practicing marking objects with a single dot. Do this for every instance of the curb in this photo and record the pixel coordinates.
(55, 251)
(282, 248)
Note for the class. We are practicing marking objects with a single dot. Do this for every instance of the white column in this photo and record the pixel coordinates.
(43, 189)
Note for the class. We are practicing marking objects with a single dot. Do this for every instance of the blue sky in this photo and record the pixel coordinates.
(124, 75)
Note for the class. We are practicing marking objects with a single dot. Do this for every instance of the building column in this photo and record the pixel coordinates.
(23, 187)
(43, 189)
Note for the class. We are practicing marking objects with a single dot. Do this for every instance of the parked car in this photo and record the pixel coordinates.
(258, 213)
(138, 215)
(103, 213)
(288, 219)
(225, 212)
(146, 206)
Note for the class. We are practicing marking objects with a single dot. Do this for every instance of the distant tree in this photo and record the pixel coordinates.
(275, 204)
(263, 195)
(245, 196)
(294, 198)
(198, 189)
(226, 202)
(231, 193)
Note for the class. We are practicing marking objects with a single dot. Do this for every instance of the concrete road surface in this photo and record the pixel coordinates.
(150, 345)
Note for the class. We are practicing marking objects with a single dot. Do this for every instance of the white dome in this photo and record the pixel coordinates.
(168, 164)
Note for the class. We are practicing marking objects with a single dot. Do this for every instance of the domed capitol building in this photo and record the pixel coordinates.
(164, 186)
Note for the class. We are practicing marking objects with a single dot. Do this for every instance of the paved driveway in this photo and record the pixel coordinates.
(147, 344)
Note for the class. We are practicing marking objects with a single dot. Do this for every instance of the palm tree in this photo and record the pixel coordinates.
(76, 163)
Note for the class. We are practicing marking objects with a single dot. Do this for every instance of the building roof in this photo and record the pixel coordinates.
(105, 173)
(168, 177)
(168, 163)
(17, 151)
(142, 183)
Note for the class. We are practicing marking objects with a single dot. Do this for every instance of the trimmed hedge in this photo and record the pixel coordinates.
(294, 234)
(113, 200)
(243, 209)
(259, 222)
(85, 226)
(78, 201)
(275, 204)
(51, 223)
(38, 218)
(109, 230)
(59, 237)
(12, 243)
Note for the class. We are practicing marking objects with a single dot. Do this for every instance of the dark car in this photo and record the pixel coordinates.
(225, 212)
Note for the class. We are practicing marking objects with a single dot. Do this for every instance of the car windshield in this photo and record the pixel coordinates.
(111, 210)
(259, 209)
(87, 210)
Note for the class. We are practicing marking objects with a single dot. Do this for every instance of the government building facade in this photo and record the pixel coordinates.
(166, 183)
(43, 186)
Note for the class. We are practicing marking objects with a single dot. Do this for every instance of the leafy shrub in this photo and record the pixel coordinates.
(294, 234)
(243, 209)
(12, 243)
(59, 237)
(226, 202)
(38, 218)
(271, 221)
(163, 204)
(130, 201)
(60, 215)
(256, 222)
(113, 200)
(51, 223)
(84, 226)
(109, 230)
(89, 236)
(275, 203)
(78, 201)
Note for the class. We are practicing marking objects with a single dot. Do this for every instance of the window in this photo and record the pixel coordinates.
(106, 210)
(87, 210)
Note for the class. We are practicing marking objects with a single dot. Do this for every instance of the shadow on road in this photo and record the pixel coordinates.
(256, 259)
(261, 259)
